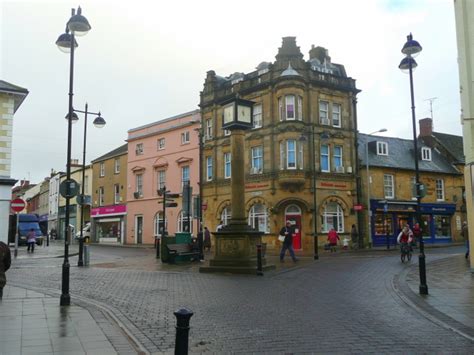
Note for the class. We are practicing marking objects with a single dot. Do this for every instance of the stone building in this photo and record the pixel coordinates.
(392, 185)
(109, 194)
(304, 127)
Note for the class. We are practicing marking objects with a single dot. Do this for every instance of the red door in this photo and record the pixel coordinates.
(295, 221)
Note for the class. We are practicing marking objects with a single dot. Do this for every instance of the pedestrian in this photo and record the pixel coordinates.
(333, 237)
(416, 235)
(287, 232)
(5, 262)
(207, 239)
(219, 226)
(354, 237)
(200, 241)
(465, 234)
(31, 240)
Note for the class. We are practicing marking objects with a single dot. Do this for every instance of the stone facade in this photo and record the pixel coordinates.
(296, 101)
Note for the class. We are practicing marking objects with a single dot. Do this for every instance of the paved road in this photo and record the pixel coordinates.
(344, 304)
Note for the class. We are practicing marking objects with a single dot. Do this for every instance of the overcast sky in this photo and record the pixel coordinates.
(146, 60)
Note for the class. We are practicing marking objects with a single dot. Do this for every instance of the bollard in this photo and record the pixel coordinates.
(86, 254)
(259, 260)
(157, 248)
(183, 316)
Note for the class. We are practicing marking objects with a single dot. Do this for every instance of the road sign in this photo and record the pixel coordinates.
(17, 205)
(69, 188)
(171, 204)
(358, 207)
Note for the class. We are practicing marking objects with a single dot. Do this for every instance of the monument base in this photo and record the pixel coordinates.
(236, 250)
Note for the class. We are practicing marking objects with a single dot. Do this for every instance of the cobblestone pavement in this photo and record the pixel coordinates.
(336, 305)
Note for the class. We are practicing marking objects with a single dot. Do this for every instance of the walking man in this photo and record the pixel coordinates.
(287, 231)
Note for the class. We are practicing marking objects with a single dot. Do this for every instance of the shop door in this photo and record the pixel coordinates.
(295, 221)
(139, 229)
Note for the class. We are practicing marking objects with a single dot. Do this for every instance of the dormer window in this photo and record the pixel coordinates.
(382, 148)
(426, 153)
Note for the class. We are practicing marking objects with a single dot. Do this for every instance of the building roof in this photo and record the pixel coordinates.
(18, 92)
(123, 149)
(400, 155)
(453, 144)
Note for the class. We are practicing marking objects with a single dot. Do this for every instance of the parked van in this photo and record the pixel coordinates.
(26, 222)
(86, 231)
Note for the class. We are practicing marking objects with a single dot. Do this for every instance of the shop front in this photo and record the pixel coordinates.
(108, 224)
(388, 218)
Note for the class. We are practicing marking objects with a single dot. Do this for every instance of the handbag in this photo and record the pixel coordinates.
(281, 238)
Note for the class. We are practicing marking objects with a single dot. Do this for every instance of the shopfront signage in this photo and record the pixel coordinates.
(255, 186)
(333, 185)
(109, 210)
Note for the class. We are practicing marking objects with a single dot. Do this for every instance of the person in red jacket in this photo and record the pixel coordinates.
(333, 237)
(416, 234)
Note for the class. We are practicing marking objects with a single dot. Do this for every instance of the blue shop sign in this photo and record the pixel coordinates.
(440, 208)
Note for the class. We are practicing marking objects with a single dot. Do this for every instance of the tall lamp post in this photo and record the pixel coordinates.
(411, 49)
(369, 212)
(76, 26)
(99, 122)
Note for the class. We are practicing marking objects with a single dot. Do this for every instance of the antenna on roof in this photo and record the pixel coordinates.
(431, 99)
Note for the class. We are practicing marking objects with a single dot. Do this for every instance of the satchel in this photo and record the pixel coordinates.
(281, 238)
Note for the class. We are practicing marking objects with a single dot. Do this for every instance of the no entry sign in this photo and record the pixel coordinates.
(17, 205)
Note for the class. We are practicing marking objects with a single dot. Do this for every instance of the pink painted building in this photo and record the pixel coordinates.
(163, 153)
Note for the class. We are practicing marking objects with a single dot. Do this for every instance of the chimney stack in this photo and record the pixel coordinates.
(426, 127)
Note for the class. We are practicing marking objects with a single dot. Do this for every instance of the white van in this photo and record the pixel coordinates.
(86, 231)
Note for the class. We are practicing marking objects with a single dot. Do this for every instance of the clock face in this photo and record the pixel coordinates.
(244, 114)
(228, 114)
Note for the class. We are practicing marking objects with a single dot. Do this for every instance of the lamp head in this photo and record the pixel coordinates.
(99, 122)
(411, 47)
(64, 42)
(78, 24)
(407, 63)
(74, 117)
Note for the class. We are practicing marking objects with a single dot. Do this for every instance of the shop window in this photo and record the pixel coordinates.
(258, 218)
(108, 228)
(333, 217)
(442, 225)
(380, 228)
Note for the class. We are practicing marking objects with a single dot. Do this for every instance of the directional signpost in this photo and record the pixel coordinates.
(17, 205)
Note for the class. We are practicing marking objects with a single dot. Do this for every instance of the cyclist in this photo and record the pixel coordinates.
(405, 238)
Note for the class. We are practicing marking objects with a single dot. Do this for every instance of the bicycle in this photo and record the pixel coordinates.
(405, 252)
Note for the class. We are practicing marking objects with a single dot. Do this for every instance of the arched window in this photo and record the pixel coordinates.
(158, 226)
(183, 222)
(226, 215)
(258, 218)
(293, 209)
(333, 217)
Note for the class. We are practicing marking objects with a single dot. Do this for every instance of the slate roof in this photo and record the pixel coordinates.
(453, 144)
(18, 92)
(400, 156)
(113, 153)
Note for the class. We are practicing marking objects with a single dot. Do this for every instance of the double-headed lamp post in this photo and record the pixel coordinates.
(411, 49)
(76, 26)
(369, 224)
(99, 122)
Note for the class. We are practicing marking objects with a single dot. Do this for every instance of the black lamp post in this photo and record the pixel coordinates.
(407, 65)
(78, 26)
(99, 122)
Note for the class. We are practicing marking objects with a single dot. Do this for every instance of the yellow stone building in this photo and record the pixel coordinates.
(304, 133)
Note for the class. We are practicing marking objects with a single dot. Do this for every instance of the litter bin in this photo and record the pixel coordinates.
(87, 254)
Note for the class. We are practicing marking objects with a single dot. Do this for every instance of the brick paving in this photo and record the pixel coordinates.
(342, 304)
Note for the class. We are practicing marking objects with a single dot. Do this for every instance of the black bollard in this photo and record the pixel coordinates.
(157, 242)
(259, 260)
(183, 316)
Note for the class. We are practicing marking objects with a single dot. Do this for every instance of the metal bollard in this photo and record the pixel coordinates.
(183, 316)
(157, 242)
(86, 254)
(259, 260)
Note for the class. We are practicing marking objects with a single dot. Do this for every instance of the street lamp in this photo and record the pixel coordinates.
(77, 25)
(324, 135)
(99, 122)
(369, 212)
(411, 49)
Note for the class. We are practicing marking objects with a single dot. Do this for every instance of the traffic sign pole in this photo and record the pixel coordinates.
(16, 235)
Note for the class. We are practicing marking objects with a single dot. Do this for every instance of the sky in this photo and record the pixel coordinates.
(146, 60)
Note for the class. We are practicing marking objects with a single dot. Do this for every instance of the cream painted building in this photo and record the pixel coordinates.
(464, 12)
(11, 98)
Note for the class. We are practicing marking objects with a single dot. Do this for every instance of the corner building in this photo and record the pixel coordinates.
(304, 133)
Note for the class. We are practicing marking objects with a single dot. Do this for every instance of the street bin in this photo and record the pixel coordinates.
(87, 254)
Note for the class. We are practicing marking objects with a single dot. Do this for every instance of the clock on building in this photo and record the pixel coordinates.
(237, 114)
